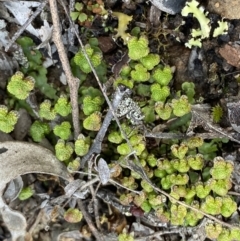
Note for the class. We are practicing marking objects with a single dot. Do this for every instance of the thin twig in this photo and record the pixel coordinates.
(155, 234)
(36, 222)
(73, 82)
(165, 135)
(92, 227)
(25, 25)
(234, 193)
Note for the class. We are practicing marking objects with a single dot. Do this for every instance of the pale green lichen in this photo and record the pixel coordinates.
(221, 29)
(115, 137)
(123, 21)
(192, 7)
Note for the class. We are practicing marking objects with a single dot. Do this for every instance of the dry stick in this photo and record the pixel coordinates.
(73, 82)
(155, 234)
(24, 26)
(36, 222)
(164, 135)
(97, 235)
(102, 89)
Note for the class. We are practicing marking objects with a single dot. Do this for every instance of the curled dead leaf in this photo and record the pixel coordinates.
(19, 158)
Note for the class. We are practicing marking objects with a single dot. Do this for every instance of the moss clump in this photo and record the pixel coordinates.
(164, 111)
(212, 205)
(94, 56)
(38, 130)
(19, 86)
(217, 113)
(63, 107)
(179, 151)
(159, 93)
(213, 230)
(163, 76)
(181, 106)
(150, 61)
(63, 130)
(138, 48)
(46, 111)
(202, 190)
(140, 74)
(92, 104)
(221, 169)
(115, 137)
(196, 162)
(82, 145)
(93, 122)
(8, 119)
(73, 215)
(63, 150)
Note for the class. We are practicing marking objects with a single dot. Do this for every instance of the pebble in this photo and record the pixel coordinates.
(169, 6)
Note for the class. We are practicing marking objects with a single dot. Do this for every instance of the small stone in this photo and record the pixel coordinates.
(169, 6)
(106, 44)
(227, 8)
